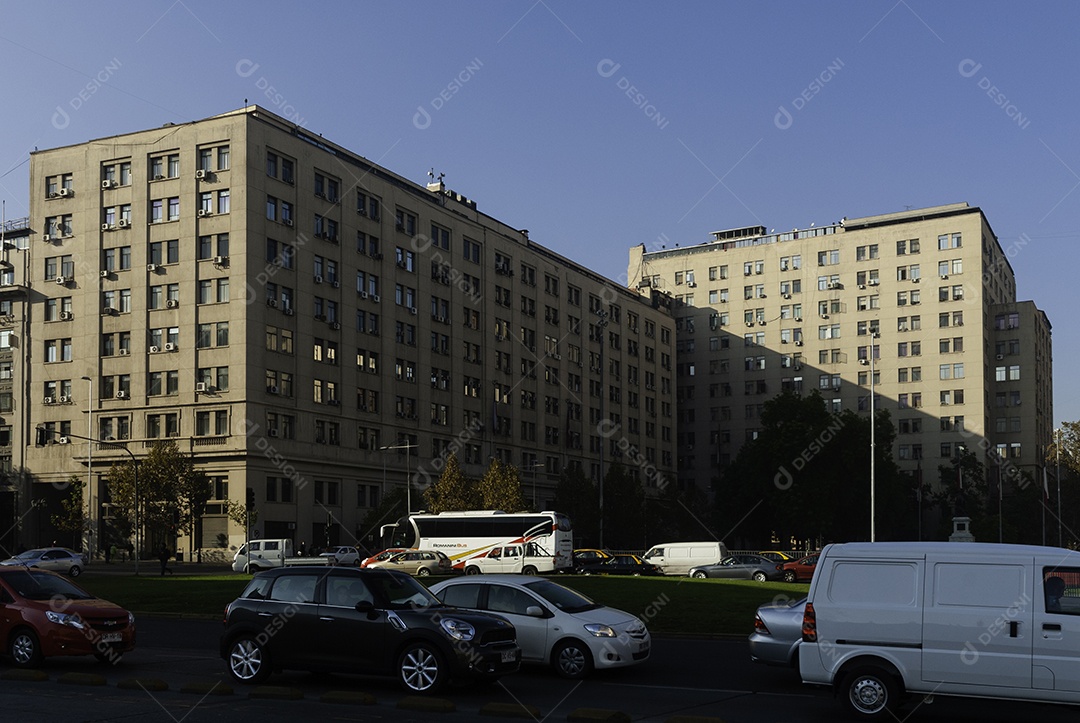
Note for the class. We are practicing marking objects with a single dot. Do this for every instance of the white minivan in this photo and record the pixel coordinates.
(888, 619)
(256, 555)
(676, 558)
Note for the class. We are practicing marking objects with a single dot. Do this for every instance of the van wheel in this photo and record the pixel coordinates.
(789, 576)
(870, 693)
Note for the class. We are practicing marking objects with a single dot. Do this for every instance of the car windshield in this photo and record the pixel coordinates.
(563, 598)
(398, 592)
(36, 585)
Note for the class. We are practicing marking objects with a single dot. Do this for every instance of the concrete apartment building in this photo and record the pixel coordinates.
(283, 308)
(957, 360)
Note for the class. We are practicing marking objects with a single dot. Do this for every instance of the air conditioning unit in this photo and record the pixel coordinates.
(272, 303)
(64, 400)
(200, 387)
(362, 294)
(219, 260)
(412, 310)
(61, 280)
(787, 296)
(121, 395)
(376, 298)
(105, 273)
(944, 277)
(692, 284)
(999, 357)
(205, 212)
(862, 286)
(107, 184)
(798, 343)
(155, 349)
(320, 317)
(335, 325)
(48, 400)
(318, 279)
(152, 268)
(783, 341)
(288, 311)
(63, 440)
(171, 303)
(798, 367)
(272, 389)
(864, 362)
(124, 352)
(159, 177)
(106, 227)
(271, 432)
(66, 316)
(824, 316)
(65, 192)
(201, 174)
(915, 280)
(169, 346)
(287, 221)
(47, 237)
(749, 323)
(336, 284)
(873, 282)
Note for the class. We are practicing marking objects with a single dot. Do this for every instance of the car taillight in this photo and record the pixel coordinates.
(760, 627)
(809, 624)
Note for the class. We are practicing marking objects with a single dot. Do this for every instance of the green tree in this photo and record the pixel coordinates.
(624, 510)
(167, 496)
(679, 514)
(72, 518)
(500, 488)
(453, 491)
(577, 497)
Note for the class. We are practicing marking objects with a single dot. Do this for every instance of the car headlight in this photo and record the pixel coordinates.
(601, 631)
(65, 619)
(457, 629)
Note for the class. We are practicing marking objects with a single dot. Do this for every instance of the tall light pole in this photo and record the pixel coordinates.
(532, 470)
(1057, 448)
(601, 322)
(90, 464)
(408, 470)
(873, 443)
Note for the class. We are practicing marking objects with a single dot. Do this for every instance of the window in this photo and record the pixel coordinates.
(405, 221)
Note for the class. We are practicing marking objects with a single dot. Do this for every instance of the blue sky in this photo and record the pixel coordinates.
(602, 125)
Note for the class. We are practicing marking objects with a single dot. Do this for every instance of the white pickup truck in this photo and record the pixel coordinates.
(258, 555)
(512, 558)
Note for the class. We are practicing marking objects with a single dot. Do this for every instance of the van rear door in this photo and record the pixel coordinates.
(977, 622)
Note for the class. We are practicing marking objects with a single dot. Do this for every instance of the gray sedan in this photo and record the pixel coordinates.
(741, 567)
(57, 559)
(777, 633)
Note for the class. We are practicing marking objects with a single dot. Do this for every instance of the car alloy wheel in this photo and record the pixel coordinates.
(572, 660)
(420, 668)
(75, 571)
(423, 572)
(248, 660)
(700, 575)
(24, 649)
(789, 576)
(760, 576)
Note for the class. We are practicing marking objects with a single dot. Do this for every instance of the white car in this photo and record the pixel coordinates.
(57, 559)
(555, 625)
(342, 556)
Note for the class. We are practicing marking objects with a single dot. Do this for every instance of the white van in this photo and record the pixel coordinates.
(943, 618)
(676, 558)
(259, 555)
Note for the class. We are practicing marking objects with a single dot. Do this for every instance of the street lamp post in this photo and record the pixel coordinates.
(90, 465)
(1057, 448)
(601, 322)
(532, 470)
(873, 529)
(408, 471)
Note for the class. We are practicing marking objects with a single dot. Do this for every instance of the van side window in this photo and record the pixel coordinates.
(1061, 590)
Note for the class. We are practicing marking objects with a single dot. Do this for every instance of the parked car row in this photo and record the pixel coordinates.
(383, 622)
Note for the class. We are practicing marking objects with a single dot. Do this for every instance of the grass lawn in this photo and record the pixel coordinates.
(668, 605)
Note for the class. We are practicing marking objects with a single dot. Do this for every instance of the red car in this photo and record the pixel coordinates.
(46, 615)
(800, 570)
(383, 556)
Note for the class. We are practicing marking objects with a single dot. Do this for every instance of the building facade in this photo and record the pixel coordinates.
(286, 310)
(957, 361)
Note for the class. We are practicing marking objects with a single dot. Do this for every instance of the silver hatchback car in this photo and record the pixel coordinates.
(57, 559)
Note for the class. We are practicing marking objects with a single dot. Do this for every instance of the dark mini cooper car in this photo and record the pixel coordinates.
(43, 615)
(376, 622)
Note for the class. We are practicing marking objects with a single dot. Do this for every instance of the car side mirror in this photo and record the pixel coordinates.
(535, 611)
(368, 608)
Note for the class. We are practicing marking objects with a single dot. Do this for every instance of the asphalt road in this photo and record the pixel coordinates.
(687, 677)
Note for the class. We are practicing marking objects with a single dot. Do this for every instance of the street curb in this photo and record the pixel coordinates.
(587, 715)
(276, 692)
(511, 710)
(202, 688)
(147, 684)
(27, 676)
(427, 705)
(81, 679)
(347, 697)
